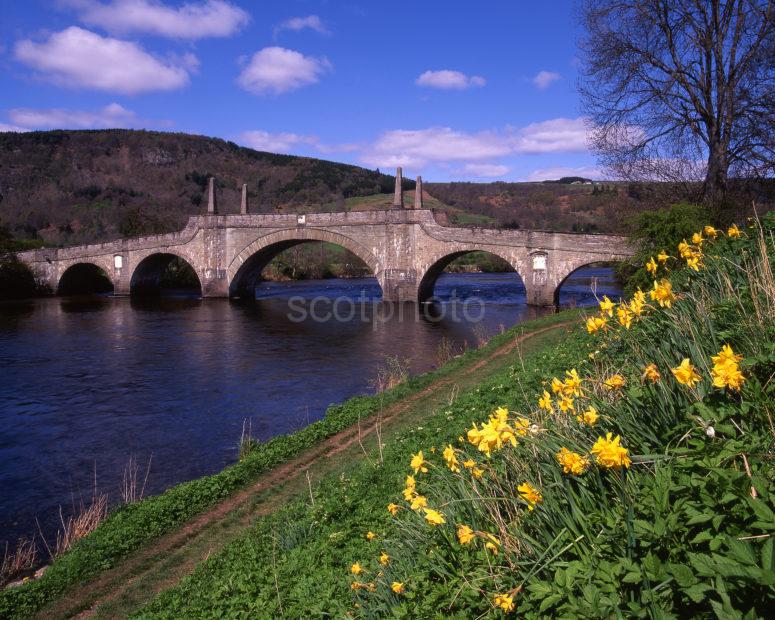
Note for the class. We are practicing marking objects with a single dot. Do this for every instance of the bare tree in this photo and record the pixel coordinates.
(681, 89)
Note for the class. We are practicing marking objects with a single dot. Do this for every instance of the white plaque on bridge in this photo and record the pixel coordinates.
(539, 262)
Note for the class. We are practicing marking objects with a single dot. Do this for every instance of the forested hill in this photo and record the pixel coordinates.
(79, 186)
(71, 187)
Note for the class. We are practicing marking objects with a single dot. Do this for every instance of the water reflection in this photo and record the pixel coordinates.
(85, 382)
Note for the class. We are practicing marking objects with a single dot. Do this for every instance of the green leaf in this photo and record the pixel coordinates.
(701, 537)
(684, 576)
(768, 559)
(696, 592)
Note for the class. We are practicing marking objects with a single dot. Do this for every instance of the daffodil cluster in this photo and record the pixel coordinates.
(475, 460)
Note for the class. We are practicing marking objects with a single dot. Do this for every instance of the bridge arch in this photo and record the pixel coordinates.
(84, 278)
(573, 268)
(148, 276)
(436, 266)
(245, 269)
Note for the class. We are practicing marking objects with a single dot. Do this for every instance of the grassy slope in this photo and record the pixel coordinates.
(295, 562)
(130, 531)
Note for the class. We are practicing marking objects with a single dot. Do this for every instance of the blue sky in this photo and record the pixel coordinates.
(474, 91)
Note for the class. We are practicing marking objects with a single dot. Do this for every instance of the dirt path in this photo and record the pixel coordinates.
(163, 562)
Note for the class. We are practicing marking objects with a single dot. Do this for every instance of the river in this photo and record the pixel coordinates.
(87, 382)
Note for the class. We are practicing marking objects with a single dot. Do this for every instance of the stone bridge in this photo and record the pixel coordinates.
(405, 248)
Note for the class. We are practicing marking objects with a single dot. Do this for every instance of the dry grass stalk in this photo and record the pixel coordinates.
(82, 522)
(480, 333)
(445, 352)
(18, 561)
(129, 490)
(394, 371)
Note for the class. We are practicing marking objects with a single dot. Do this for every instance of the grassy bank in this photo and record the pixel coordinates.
(135, 526)
(675, 518)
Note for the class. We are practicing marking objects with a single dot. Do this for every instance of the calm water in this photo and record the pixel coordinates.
(87, 382)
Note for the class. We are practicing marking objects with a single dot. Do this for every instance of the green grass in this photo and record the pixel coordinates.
(457, 216)
(295, 561)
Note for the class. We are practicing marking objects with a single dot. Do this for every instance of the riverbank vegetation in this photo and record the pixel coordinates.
(627, 472)
(132, 526)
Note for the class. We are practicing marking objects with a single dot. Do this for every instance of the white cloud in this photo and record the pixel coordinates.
(559, 135)
(485, 170)
(112, 115)
(313, 22)
(415, 148)
(543, 79)
(278, 70)
(77, 58)
(557, 172)
(282, 142)
(449, 80)
(195, 20)
(418, 147)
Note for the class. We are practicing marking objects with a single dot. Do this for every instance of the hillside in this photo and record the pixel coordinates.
(71, 187)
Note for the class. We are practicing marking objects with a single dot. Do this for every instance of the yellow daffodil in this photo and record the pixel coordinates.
(614, 382)
(565, 404)
(596, 323)
(685, 373)
(397, 587)
(530, 494)
(651, 266)
(697, 238)
(662, 293)
(392, 508)
(370, 535)
(572, 384)
(733, 231)
(726, 371)
(450, 458)
(557, 385)
(468, 464)
(356, 585)
(694, 262)
(492, 544)
(545, 402)
(624, 316)
(384, 559)
(465, 534)
(588, 417)
(572, 462)
(662, 257)
(477, 473)
(609, 454)
(434, 517)
(356, 569)
(710, 232)
(637, 303)
(726, 355)
(418, 463)
(418, 501)
(606, 306)
(651, 373)
(504, 602)
(684, 249)
(521, 426)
